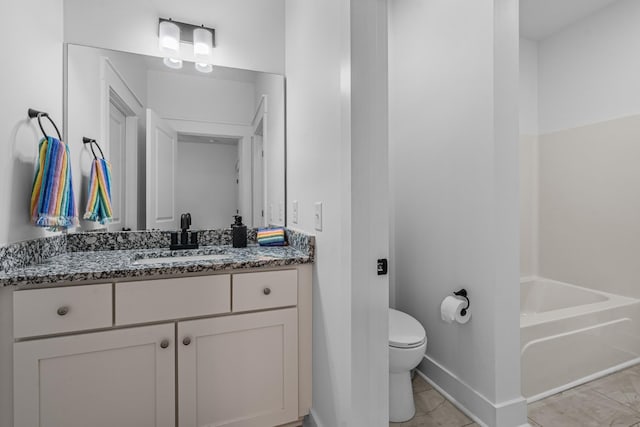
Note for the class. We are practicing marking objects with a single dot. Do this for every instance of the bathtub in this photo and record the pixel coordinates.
(570, 335)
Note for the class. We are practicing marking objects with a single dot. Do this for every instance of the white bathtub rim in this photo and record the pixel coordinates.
(613, 301)
(583, 380)
(572, 285)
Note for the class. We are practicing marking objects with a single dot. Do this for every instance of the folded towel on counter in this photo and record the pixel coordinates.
(52, 199)
(271, 237)
(99, 197)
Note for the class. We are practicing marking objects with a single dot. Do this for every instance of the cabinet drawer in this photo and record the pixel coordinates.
(256, 291)
(57, 310)
(167, 299)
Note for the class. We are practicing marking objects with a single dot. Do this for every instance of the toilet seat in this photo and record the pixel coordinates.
(405, 331)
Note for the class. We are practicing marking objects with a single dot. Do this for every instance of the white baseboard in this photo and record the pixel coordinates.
(472, 403)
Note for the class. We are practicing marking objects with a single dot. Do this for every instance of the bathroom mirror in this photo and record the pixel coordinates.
(211, 144)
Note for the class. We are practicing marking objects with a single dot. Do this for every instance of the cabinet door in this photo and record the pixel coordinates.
(123, 378)
(239, 371)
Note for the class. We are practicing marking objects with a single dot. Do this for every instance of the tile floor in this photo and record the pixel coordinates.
(610, 401)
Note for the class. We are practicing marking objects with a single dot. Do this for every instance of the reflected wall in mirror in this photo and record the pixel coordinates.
(178, 140)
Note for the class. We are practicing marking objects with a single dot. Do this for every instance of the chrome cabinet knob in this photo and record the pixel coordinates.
(63, 310)
(186, 341)
(164, 343)
(266, 291)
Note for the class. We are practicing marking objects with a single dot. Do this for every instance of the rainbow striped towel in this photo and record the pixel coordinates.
(271, 237)
(52, 202)
(99, 197)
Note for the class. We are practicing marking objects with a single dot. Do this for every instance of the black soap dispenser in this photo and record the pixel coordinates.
(239, 233)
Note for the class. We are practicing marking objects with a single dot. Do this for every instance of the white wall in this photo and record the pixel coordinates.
(249, 33)
(317, 171)
(206, 185)
(31, 77)
(589, 128)
(589, 71)
(36, 29)
(272, 86)
(453, 155)
(336, 143)
(528, 157)
(200, 98)
(528, 106)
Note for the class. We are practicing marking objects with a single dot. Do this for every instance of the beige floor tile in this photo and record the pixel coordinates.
(533, 423)
(420, 385)
(582, 408)
(439, 411)
(433, 410)
(623, 387)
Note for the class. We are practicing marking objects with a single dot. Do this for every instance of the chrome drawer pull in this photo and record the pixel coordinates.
(266, 291)
(164, 343)
(63, 310)
(186, 341)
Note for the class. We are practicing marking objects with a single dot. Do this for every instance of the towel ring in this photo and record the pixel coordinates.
(38, 114)
(91, 143)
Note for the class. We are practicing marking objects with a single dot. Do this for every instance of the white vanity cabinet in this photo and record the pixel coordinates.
(216, 350)
(122, 378)
(239, 370)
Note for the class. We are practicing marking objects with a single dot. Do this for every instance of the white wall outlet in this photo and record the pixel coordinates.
(281, 212)
(317, 216)
(294, 211)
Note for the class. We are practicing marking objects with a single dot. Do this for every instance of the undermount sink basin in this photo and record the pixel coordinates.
(186, 258)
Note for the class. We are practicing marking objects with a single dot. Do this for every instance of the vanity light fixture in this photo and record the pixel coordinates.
(172, 33)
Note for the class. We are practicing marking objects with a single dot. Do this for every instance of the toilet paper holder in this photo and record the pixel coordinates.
(463, 293)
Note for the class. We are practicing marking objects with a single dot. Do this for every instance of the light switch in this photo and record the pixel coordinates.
(294, 211)
(318, 216)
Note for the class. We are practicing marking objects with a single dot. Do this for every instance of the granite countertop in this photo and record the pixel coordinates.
(83, 266)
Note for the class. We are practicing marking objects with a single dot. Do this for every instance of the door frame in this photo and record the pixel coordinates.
(259, 124)
(115, 89)
(226, 130)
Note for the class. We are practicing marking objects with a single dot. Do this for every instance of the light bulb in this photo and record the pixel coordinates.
(174, 63)
(203, 67)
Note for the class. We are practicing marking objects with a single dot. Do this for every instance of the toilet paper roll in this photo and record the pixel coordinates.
(451, 310)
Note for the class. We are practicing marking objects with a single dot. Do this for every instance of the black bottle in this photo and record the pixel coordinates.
(239, 233)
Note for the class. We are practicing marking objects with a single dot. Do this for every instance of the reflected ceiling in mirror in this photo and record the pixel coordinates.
(211, 144)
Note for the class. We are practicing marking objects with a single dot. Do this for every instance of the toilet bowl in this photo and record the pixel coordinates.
(407, 344)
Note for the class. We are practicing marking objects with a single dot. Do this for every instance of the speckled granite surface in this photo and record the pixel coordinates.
(80, 257)
(126, 240)
(34, 251)
(104, 265)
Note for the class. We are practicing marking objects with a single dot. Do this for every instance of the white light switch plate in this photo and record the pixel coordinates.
(318, 215)
(294, 211)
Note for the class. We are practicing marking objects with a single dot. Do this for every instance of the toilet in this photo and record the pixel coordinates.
(407, 344)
